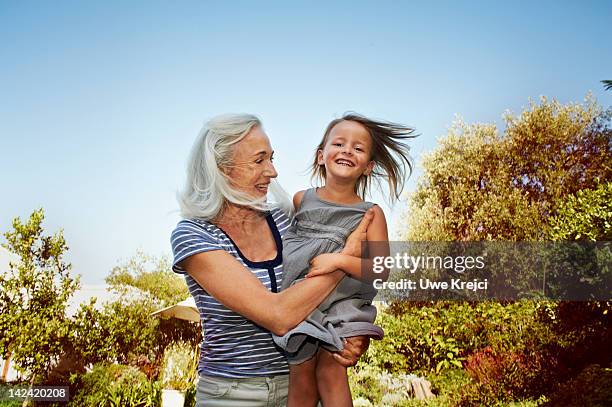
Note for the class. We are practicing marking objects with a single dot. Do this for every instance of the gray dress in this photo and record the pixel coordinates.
(322, 227)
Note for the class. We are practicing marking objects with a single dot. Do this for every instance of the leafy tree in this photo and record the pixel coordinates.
(124, 331)
(586, 215)
(546, 176)
(118, 332)
(146, 276)
(585, 326)
(34, 296)
(483, 185)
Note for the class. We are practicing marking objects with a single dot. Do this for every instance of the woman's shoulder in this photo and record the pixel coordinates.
(192, 236)
(193, 227)
(193, 223)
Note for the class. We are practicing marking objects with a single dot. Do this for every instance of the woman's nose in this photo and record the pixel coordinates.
(271, 171)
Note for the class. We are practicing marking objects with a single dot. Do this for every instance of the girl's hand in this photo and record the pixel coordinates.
(323, 264)
(354, 348)
(352, 246)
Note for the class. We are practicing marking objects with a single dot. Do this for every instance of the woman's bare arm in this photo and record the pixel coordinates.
(223, 277)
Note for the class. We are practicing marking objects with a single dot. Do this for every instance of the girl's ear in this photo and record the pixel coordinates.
(320, 157)
(369, 168)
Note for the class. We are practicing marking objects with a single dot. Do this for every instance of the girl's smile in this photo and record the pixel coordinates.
(347, 152)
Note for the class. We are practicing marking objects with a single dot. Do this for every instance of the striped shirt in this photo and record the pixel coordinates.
(233, 346)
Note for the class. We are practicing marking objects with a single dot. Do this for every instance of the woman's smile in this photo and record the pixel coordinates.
(253, 169)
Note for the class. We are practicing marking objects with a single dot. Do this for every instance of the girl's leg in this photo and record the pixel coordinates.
(332, 381)
(303, 384)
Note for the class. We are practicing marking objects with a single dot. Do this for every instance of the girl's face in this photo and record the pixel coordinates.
(347, 151)
(252, 169)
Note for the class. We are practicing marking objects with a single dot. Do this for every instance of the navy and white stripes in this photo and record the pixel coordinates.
(233, 346)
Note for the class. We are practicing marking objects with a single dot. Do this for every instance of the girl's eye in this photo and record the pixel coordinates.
(338, 144)
(359, 149)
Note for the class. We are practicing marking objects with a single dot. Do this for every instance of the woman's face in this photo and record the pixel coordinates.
(252, 168)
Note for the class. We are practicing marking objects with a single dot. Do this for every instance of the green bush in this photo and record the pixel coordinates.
(116, 385)
(426, 337)
(365, 384)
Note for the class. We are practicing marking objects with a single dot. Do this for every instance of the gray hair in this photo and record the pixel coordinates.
(207, 188)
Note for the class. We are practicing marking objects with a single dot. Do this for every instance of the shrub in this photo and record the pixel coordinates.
(115, 385)
(507, 376)
(440, 335)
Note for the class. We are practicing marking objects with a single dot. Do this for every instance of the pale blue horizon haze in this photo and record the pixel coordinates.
(101, 100)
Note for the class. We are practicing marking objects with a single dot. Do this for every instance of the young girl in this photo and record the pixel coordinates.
(354, 151)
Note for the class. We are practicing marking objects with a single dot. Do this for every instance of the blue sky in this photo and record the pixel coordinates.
(100, 101)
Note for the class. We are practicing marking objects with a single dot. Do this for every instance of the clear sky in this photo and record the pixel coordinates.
(100, 101)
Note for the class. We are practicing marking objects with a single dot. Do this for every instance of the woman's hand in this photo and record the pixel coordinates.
(359, 235)
(354, 348)
(323, 264)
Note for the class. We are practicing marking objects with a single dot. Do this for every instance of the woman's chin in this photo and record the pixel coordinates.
(259, 195)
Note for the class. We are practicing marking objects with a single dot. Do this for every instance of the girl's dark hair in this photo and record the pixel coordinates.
(389, 151)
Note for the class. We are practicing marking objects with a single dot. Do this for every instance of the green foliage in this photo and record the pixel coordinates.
(179, 366)
(487, 352)
(116, 385)
(431, 337)
(561, 339)
(482, 185)
(34, 296)
(119, 332)
(148, 277)
(547, 176)
(123, 331)
(587, 215)
(365, 384)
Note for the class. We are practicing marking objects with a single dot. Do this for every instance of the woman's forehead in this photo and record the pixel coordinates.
(254, 143)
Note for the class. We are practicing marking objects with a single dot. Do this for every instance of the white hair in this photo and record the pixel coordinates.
(207, 188)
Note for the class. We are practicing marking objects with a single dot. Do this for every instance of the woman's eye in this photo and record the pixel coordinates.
(258, 161)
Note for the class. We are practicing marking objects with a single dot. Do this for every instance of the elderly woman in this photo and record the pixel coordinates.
(229, 247)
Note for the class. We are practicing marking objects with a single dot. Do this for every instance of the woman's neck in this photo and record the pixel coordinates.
(339, 192)
(236, 216)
